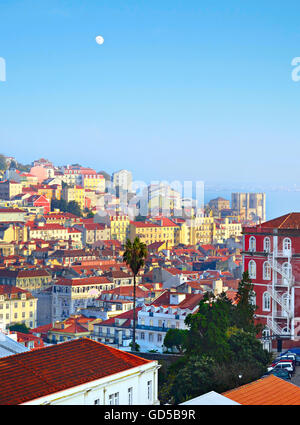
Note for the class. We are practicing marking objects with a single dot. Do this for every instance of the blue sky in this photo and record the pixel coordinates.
(180, 89)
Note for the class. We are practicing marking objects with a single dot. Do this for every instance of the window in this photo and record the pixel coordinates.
(286, 273)
(149, 390)
(130, 395)
(266, 301)
(142, 335)
(97, 402)
(266, 333)
(252, 243)
(266, 271)
(159, 338)
(252, 269)
(267, 245)
(287, 245)
(114, 399)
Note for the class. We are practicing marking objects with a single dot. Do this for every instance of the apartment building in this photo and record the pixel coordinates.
(17, 306)
(9, 189)
(95, 182)
(71, 295)
(75, 193)
(271, 255)
(47, 232)
(168, 311)
(161, 230)
(28, 280)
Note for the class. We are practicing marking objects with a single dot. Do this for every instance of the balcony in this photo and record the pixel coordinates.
(153, 328)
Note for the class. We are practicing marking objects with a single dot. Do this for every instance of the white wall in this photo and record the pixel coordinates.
(100, 389)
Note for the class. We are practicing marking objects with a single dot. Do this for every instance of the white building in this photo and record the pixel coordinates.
(122, 179)
(70, 295)
(168, 311)
(78, 372)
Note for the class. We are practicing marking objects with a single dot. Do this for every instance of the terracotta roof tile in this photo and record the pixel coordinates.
(270, 390)
(33, 374)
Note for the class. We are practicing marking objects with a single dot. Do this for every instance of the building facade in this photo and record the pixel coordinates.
(250, 206)
(271, 255)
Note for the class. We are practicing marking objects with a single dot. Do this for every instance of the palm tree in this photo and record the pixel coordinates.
(134, 256)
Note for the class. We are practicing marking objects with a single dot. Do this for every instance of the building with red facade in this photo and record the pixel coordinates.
(271, 255)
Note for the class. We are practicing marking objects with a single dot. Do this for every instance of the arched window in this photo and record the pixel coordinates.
(252, 269)
(287, 273)
(287, 245)
(267, 244)
(266, 271)
(266, 301)
(252, 243)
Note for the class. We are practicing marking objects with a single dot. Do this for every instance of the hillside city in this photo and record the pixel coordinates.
(65, 283)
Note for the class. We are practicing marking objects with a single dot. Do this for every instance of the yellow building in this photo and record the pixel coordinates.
(9, 189)
(225, 229)
(50, 192)
(75, 193)
(148, 233)
(119, 227)
(202, 230)
(29, 280)
(17, 306)
(94, 182)
(13, 232)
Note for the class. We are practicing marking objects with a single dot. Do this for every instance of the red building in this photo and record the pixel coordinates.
(39, 201)
(271, 254)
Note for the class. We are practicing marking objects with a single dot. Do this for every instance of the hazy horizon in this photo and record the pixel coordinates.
(178, 91)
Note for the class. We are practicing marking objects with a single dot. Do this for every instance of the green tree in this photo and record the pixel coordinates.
(176, 338)
(221, 353)
(74, 208)
(19, 327)
(134, 255)
(207, 328)
(194, 376)
(245, 308)
(60, 204)
(245, 347)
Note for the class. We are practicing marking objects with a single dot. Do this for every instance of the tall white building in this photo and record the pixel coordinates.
(122, 180)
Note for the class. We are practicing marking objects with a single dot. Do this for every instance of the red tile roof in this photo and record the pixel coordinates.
(266, 391)
(93, 280)
(34, 374)
(142, 224)
(287, 221)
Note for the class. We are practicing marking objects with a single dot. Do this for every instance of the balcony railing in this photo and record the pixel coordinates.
(154, 328)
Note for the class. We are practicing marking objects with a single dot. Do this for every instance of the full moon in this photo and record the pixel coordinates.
(99, 39)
